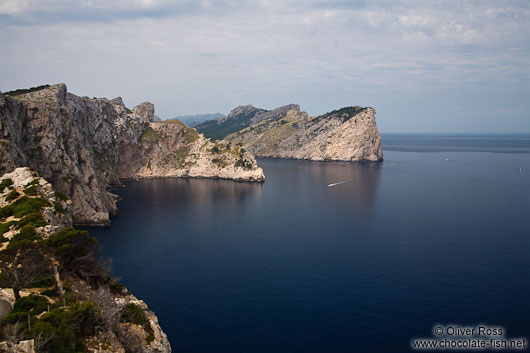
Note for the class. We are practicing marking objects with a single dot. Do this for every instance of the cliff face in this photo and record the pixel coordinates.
(51, 277)
(347, 134)
(84, 146)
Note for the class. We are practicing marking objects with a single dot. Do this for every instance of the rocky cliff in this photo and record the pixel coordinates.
(347, 134)
(56, 296)
(84, 146)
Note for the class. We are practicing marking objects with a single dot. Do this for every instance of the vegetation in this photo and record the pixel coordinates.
(151, 136)
(346, 113)
(61, 196)
(21, 264)
(243, 163)
(67, 327)
(83, 302)
(13, 194)
(220, 162)
(5, 183)
(4, 227)
(18, 92)
(33, 219)
(26, 234)
(58, 207)
(31, 190)
(134, 314)
(214, 129)
(24, 206)
(178, 158)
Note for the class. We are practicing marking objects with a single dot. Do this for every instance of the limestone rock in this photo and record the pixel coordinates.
(85, 146)
(348, 134)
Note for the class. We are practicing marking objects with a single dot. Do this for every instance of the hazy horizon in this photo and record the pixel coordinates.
(447, 67)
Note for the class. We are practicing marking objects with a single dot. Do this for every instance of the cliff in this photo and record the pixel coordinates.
(56, 296)
(84, 146)
(347, 134)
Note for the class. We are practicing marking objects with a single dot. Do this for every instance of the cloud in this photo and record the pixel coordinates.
(200, 56)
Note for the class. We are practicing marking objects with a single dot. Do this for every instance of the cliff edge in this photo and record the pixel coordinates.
(55, 295)
(84, 146)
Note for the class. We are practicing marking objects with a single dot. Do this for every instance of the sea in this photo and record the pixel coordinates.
(332, 256)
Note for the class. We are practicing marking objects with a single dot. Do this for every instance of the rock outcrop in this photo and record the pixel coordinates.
(84, 146)
(100, 314)
(347, 134)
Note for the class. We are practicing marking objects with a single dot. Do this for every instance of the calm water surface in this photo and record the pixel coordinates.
(293, 265)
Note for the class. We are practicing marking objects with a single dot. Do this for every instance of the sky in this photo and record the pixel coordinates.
(425, 66)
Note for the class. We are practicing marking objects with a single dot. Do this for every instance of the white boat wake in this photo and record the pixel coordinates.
(341, 182)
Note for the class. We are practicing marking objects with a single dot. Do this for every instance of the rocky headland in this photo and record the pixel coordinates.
(85, 146)
(348, 134)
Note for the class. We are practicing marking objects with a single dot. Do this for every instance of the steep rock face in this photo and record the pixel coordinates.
(173, 149)
(347, 134)
(28, 200)
(84, 146)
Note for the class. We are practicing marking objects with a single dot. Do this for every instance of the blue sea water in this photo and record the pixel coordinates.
(438, 233)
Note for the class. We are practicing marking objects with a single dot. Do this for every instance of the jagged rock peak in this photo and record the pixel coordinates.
(145, 110)
(246, 110)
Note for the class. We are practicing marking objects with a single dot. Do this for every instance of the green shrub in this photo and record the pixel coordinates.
(26, 205)
(13, 194)
(4, 227)
(34, 182)
(6, 211)
(58, 207)
(5, 183)
(67, 328)
(32, 304)
(134, 314)
(3, 239)
(31, 190)
(33, 219)
(18, 92)
(61, 196)
(50, 292)
(26, 234)
(76, 253)
(243, 163)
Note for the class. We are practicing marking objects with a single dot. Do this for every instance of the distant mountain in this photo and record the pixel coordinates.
(194, 120)
(346, 134)
(240, 118)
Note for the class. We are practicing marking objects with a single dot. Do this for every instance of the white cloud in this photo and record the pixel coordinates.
(199, 56)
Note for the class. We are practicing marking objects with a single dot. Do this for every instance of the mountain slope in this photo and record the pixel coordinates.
(194, 120)
(85, 146)
(347, 134)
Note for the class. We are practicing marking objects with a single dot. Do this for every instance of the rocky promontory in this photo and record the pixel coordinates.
(347, 134)
(85, 146)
